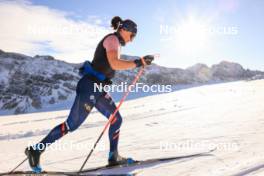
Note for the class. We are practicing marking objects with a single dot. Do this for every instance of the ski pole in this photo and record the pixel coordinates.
(18, 166)
(112, 116)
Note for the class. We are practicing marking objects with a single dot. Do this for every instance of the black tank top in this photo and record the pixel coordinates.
(100, 62)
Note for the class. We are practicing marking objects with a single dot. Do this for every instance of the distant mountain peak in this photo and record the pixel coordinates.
(29, 84)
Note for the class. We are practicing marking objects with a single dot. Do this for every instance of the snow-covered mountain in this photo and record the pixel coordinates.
(30, 84)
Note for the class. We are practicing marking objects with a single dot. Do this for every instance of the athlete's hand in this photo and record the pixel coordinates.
(146, 60)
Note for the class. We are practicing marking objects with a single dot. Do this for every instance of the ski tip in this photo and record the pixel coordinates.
(212, 150)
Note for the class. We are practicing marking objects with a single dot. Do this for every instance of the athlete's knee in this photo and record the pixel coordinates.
(117, 121)
(72, 126)
(64, 128)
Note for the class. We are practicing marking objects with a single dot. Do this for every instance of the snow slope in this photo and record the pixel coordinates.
(228, 116)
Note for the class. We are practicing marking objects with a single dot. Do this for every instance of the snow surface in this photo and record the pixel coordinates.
(228, 116)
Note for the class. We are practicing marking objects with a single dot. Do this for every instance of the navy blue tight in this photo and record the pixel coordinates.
(87, 98)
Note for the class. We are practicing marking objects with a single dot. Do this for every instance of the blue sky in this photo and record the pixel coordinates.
(182, 32)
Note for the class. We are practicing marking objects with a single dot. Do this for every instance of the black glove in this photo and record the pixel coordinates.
(148, 59)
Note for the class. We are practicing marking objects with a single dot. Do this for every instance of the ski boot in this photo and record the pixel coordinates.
(33, 155)
(115, 159)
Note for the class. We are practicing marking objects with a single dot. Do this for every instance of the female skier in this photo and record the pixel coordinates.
(102, 69)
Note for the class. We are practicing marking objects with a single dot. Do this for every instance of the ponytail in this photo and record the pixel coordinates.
(115, 22)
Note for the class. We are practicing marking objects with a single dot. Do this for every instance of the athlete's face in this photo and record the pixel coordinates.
(127, 36)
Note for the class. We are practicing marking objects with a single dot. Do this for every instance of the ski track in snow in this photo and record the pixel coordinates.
(228, 116)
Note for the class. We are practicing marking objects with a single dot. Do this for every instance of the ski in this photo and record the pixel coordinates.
(150, 161)
(58, 173)
(32, 173)
(107, 167)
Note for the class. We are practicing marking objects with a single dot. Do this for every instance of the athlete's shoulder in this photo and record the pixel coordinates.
(111, 38)
(111, 42)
